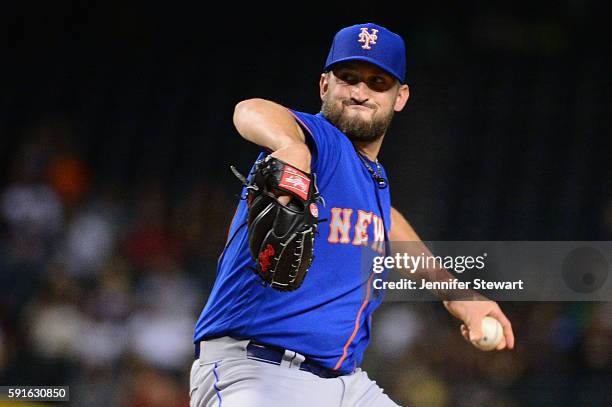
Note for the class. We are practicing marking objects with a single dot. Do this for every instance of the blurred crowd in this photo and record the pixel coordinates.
(100, 286)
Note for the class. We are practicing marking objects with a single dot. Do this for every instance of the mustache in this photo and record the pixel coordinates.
(351, 102)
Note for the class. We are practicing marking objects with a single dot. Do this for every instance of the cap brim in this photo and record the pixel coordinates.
(366, 59)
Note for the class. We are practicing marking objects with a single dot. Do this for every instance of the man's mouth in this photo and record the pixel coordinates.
(359, 106)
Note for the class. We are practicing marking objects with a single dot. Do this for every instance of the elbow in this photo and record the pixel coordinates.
(266, 123)
(245, 105)
(244, 109)
(245, 115)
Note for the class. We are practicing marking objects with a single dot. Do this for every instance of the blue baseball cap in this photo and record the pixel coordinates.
(371, 43)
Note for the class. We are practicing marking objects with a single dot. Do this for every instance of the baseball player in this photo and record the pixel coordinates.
(284, 328)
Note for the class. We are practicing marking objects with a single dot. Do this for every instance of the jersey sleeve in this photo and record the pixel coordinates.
(324, 144)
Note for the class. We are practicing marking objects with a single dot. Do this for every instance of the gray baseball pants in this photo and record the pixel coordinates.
(224, 377)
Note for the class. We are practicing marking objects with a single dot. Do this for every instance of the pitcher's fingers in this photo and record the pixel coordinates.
(465, 332)
(284, 199)
(505, 322)
(502, 344)
(475, 329)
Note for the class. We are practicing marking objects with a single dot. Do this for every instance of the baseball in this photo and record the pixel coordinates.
(492, 334)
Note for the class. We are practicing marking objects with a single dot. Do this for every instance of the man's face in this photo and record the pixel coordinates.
(359, 99)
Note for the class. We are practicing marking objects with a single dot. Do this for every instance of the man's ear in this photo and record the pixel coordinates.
(323, 84)
(402, 97)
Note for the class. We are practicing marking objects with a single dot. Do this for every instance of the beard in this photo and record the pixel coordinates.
(355, 128)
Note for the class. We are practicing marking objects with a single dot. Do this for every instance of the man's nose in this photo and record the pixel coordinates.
(359, 92)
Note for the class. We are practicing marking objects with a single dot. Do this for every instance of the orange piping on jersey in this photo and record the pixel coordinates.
(363, 305)
(301, 122)
(229, 228)
(230, 225)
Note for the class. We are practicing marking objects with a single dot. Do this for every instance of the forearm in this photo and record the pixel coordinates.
(404, 240)
(431, 270)
(456, 301)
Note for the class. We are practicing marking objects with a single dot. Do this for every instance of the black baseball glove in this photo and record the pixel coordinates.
(281, 237)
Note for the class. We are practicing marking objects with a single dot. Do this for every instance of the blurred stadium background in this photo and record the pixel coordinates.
(115, 192)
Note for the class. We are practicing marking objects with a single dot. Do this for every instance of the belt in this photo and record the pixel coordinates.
(275, 355)
(272, 354)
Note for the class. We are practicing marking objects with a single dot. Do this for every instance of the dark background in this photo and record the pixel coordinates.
(115, 144)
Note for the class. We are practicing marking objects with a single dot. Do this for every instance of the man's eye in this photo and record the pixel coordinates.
(379, 84)
(378, 81)
(349, 78)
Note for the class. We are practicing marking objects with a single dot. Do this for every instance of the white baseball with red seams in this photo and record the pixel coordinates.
(492, 334)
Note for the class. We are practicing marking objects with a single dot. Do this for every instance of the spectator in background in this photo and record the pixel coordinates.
(33, 217)
(69, 177)
(91, 237)
(30, 207)
(167, 301)
(149, 245)
(150, 388)
(54, 324)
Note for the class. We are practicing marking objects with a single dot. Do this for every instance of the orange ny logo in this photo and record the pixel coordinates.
(367, 38)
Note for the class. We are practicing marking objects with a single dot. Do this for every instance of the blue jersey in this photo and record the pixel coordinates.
(327, 319)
